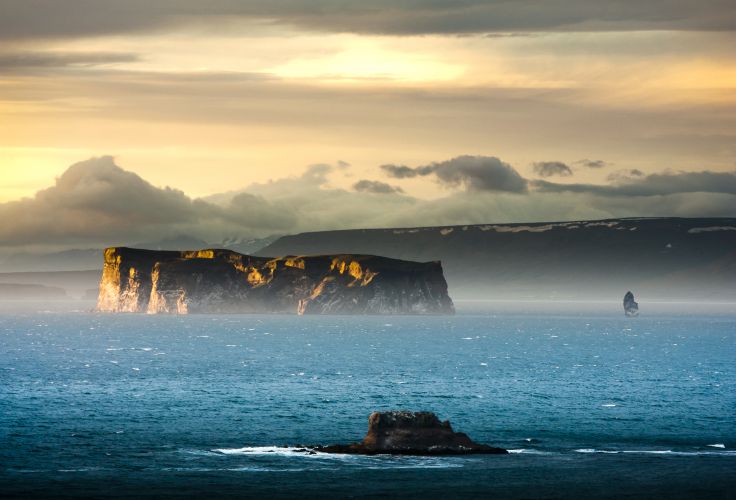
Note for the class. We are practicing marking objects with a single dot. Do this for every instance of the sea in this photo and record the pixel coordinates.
(589, 403)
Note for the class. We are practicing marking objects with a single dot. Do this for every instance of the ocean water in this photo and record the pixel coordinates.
(591, 404)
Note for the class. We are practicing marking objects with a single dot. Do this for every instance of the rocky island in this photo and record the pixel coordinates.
(411, 433)
(631, 307)
(223, 281)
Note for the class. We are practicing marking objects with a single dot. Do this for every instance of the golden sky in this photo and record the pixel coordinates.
(213, 99)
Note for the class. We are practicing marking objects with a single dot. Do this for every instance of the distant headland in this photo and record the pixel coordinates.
(224, 281)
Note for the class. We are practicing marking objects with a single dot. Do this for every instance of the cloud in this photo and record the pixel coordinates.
(96, 200)
(624, 175)
(253, 212)
(474, 173)
(551, 168)
(404, 172)
(97, 203)
(79, 18)
(26, 59)
(592, 163)
(651, 185)
(376, 187)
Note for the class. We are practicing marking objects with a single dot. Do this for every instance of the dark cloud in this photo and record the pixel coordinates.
(664, 184)
(75, 18)
(551, 168)
(23, 60)
(624, 175)
(592, 163)
(376, 187)
(475, 173)
(98, 199)
(404, 172)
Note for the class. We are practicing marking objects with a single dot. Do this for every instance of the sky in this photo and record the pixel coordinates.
(219, 119)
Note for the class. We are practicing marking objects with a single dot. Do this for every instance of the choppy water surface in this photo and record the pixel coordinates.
(602, 405)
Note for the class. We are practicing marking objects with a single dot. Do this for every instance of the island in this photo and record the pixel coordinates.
(411, 433)
(631, 307)
(224, 281)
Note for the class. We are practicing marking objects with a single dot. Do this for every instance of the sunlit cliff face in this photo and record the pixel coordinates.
(161, 282)
(361, 276)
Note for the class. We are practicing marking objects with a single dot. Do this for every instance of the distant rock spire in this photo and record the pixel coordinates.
(631, 307)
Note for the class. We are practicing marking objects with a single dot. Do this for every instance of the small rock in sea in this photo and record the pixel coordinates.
(411, 433)
(631, 307)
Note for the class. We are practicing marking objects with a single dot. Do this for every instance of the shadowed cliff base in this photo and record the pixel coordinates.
(223, 281)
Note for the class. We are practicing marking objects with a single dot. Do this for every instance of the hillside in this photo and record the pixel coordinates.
(657, 258)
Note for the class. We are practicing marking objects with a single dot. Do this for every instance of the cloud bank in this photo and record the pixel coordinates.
(77, 18)
(652, 185)
(98, 203)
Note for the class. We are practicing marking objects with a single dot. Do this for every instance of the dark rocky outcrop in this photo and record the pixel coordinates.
(411, 433)
(631, 307)
(223, 281)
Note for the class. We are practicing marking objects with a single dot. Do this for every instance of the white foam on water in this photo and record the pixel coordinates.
(608, 405)
(717, 445)
(269, 450)
(362, 461)
(529, 451)
(200, 453)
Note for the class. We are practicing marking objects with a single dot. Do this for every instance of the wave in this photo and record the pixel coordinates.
(680, 453)
(286, 451)
(529, 451)
(362, 461)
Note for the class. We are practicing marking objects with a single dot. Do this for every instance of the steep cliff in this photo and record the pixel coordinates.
(223, 281)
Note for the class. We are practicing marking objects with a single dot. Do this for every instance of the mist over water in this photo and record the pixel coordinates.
(590, 402)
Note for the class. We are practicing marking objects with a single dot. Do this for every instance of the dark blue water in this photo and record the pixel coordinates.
(135, 405)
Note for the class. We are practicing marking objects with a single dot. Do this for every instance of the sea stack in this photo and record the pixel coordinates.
(223, 281)
(631, 307)
(411, 433)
